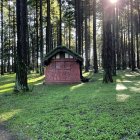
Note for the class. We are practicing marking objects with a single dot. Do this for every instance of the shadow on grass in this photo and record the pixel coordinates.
(129, 81)
(8, 82)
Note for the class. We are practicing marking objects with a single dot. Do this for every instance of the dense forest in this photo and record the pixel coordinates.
(69, 69)
(106, 33)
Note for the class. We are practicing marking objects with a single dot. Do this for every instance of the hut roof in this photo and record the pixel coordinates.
(61, 49)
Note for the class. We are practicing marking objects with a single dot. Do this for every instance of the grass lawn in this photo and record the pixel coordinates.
(90, 111)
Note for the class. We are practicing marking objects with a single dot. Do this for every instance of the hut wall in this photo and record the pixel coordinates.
(65, 70)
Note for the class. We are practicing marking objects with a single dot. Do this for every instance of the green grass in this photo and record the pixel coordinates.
(90, 111)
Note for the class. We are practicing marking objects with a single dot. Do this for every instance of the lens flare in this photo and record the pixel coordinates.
(113, 1)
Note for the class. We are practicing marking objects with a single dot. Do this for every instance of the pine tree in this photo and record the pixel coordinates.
(21, 71)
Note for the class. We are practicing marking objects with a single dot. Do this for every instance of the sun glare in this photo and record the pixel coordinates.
(113, 1)
(11, 3)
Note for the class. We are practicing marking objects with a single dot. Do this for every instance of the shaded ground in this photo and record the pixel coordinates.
(5, 134)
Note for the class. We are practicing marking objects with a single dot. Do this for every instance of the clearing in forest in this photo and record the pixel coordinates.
(89, 111)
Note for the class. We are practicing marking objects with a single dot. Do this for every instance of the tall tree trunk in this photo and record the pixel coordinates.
(137, 21)
(86, 42)
(60, 25)
(37, 38)
(14, 42)
(79, 23)
(21, 71)
(95, 64)
(117, 39)
(33, 36)
(28, 43)
(41, 39)
(107, 44)
(114, 43)
(48, 28)
(129, 39)
(76, 25)
(2, 46)
(69, 30)
(132, 38)
(9, 37)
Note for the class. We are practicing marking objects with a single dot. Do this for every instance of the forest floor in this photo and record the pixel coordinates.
(86, 111)
(5, 134)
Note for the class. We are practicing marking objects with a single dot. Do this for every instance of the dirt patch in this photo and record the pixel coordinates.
(5, 134)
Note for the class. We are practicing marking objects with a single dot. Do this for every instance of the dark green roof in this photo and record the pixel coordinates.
(61, 49)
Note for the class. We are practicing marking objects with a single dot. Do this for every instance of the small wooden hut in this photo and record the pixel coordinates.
(62, 66)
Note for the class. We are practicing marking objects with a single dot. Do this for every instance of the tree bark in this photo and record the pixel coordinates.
(107, 44)
(21, 71)
(41, 40)
(2, 45)
(132, 38)
(95, 64)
